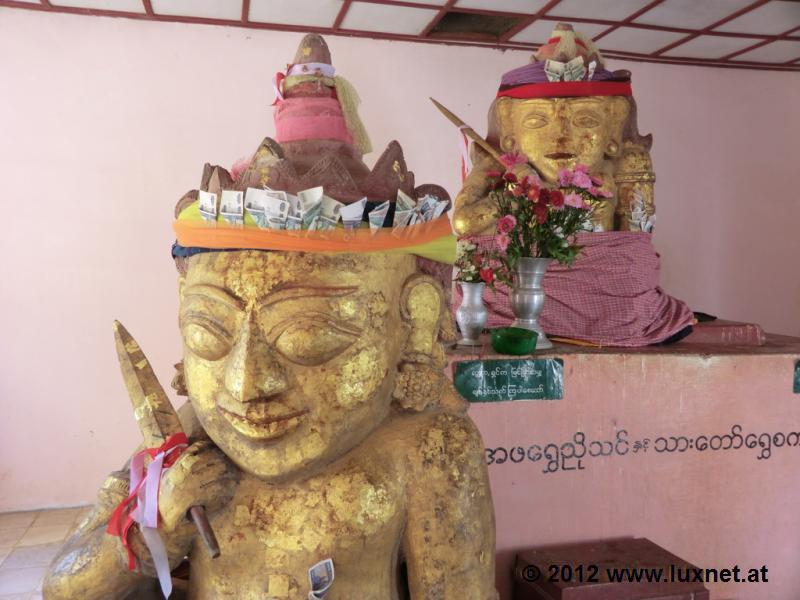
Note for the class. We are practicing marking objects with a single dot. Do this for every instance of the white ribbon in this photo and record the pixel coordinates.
(146, 512)
(323, 69)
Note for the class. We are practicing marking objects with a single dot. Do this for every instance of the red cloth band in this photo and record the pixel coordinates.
(565, 89)
(554, 40)
(310, 119)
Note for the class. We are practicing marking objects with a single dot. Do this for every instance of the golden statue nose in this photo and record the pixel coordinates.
(252, 371)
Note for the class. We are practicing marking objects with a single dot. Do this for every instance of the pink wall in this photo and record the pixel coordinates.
(713, 507)
(104, 123)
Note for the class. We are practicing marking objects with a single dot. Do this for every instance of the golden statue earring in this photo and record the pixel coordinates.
(417, 385)
(612, 149)
(508, 143)
(178, 382)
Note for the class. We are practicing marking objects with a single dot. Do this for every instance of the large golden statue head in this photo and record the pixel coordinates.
(291, 359)
(559, 133)
(561, 110)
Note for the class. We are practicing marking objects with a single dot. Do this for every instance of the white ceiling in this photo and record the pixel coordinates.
(743, 33)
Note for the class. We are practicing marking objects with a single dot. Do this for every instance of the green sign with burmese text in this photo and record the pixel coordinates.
(797, 377)
(503, 380)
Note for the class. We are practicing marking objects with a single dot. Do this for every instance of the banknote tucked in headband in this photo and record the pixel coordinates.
(421, 228)
(568, 65)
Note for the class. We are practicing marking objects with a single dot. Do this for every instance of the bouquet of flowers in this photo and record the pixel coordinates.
(538, 221)
(473, 264)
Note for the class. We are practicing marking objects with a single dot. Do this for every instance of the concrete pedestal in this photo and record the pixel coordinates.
(693, 446)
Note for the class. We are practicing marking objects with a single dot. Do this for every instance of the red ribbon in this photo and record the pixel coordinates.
(578, 41)
(121, 520)
(277, 84)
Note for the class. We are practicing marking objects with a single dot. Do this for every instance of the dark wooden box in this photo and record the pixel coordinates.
(534, 570)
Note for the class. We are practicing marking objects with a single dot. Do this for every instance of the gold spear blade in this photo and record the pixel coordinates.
(468, 131)
(154, 413)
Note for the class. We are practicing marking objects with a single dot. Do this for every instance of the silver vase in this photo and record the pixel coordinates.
(472, 314)
(527, 296)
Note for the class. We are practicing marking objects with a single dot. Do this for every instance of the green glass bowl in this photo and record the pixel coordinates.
(514, 340)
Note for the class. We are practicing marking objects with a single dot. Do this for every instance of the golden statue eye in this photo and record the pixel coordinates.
(534, 121)
(312, 342)
(586, 120)
(202, 339)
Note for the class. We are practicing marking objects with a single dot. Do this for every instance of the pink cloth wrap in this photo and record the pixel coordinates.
(310, 119)
(610, 295)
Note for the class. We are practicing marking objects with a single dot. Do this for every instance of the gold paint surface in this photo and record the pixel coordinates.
(557, 133)
(333, 434)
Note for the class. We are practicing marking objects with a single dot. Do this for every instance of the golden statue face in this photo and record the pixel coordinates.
(557, 133)
(290, 358)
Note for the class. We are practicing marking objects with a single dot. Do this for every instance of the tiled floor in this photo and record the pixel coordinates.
(28, 542)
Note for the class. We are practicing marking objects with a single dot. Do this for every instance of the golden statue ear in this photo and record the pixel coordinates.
(421, 305)
(420, 381)
(181, 287)
(503, 122)
(617, 112)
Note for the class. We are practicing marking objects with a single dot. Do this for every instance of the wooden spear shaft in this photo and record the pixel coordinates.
(468, 131)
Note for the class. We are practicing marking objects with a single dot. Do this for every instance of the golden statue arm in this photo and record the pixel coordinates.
(475, 212)
(92, 564)
(449, 540)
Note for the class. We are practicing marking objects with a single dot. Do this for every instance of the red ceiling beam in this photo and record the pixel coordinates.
(780, 36)
(245, 11)
(707, 29)
(528, 21)
(340, 15)
(438, 17)
(628, 19)
(148, 7)
(789, 67)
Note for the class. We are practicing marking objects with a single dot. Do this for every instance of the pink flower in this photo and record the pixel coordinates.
(506, 223)
(574, 200)
(581, 168)
(564, 177)
(502, 240)
(512, 159)
(518, 191)
(600, 193)
(532, 180)
(581, 179)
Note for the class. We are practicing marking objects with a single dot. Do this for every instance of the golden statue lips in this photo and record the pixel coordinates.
(263, 419)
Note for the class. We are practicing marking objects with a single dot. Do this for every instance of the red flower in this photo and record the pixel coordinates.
(510, 177)
(540, 210)
(487, 275)
(544, 196)
(533, 194)
(556, 198)
(517, 191)
(494, 174)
